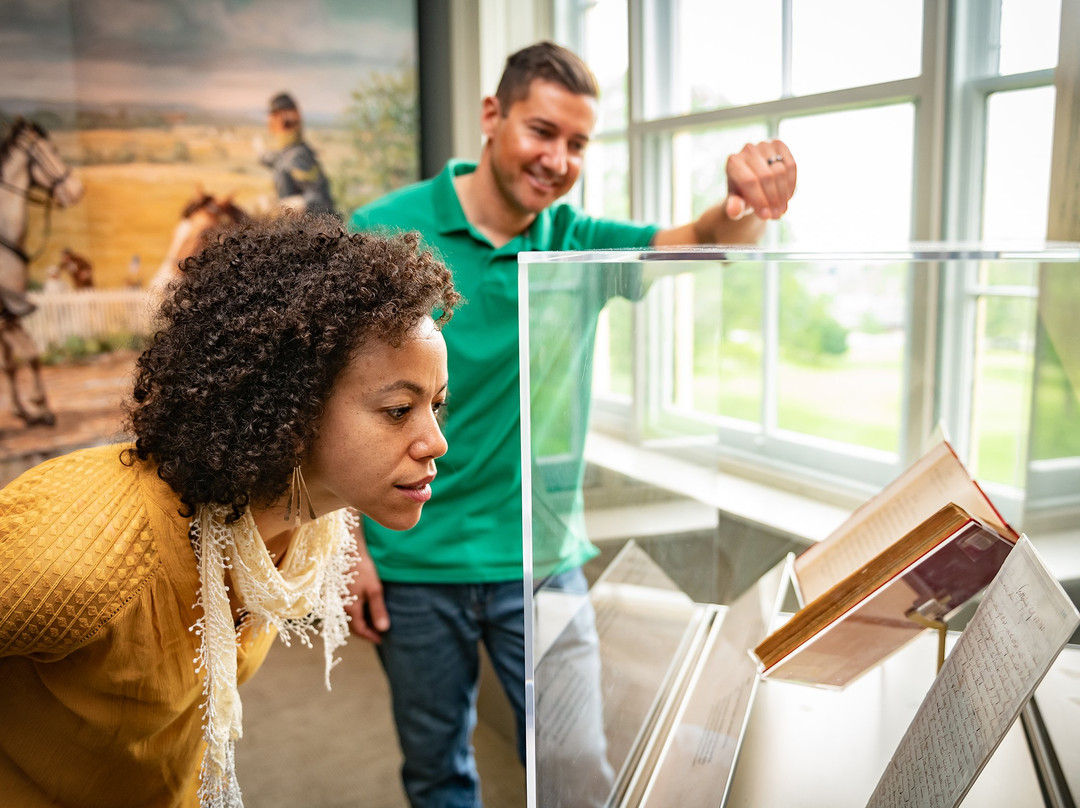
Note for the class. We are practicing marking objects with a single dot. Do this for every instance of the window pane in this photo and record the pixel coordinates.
(1012, 273)
(613, 368)
(1019, 138)
(1029, 35)
(703, 73)
(830, 204)
(842, 341)
(848, 43)
(728, 342)
(606, 182)
(1002, 388)
(606, 192)
(712, 367)
(717, 319)
(605, 50)
(699, 176)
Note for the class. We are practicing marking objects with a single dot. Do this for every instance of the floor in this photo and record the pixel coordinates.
(304, 746)
(86, 398)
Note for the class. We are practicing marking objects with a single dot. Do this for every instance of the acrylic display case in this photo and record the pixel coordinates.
(694, 418)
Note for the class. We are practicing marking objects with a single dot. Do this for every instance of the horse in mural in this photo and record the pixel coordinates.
(203, 213)
(31, 172)
(78, 267)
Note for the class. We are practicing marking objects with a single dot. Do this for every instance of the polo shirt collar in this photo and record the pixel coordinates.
(450, 216)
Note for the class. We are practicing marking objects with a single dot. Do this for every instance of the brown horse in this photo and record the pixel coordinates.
(29, 161)
(203, 213)
(78, 267)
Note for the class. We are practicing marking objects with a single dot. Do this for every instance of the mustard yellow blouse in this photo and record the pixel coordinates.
(99, 697)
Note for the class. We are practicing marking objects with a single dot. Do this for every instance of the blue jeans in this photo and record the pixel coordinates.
(431, 656)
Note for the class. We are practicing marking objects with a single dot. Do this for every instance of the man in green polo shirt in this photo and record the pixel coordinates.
(429, 596)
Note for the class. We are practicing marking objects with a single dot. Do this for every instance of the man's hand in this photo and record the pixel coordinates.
(368, 612)
(761, 180)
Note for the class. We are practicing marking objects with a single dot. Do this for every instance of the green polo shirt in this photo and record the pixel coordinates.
(470, 530)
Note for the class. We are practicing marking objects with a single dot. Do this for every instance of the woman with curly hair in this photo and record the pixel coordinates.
(297, 374)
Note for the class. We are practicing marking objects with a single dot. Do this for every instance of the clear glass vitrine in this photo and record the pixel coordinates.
(691, 419)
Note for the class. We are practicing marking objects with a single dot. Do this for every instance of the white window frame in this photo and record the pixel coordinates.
(958, 74)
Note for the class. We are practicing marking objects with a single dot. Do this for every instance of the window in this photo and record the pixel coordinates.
(889, 151)
(1001, 112)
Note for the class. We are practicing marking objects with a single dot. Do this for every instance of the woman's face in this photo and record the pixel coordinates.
(379, 434)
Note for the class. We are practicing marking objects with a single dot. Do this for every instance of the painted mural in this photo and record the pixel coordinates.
(153, 104)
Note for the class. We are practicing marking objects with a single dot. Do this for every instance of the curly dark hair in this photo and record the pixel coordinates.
(229, 395)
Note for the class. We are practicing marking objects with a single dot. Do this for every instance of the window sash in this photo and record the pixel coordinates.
(958, 75)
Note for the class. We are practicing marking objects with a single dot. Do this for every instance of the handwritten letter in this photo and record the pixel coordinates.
(1021, 625)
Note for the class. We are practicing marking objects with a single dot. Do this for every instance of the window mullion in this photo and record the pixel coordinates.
(770, 350)
(918, 407)
(785, 44)
(974, 35)
(770, 315)
(637, 74)
(1015, 81)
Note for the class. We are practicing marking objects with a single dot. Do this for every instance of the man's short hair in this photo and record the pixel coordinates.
(547, 61)
(281, 102)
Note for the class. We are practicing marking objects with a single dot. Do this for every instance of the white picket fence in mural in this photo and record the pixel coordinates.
(89, 314)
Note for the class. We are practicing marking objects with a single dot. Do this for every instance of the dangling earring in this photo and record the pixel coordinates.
(297, 490)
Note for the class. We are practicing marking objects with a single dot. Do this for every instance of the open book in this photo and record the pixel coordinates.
(908, 557)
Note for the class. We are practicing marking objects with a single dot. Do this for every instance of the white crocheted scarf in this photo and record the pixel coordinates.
(306, 596)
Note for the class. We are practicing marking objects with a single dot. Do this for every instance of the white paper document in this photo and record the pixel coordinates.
(1022, 623)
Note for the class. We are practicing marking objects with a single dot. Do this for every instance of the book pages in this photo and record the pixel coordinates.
(1022, 623)
(937, 478)
(855, 625)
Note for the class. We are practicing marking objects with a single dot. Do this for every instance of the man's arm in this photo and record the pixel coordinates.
(368, 611)
(761, 180)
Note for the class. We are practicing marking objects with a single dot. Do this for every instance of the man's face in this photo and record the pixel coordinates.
(537, 149)
(284, 120)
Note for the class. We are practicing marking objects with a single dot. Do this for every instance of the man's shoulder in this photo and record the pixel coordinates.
(406, 194)
(566, 214)
(402, 207)
(571, 228)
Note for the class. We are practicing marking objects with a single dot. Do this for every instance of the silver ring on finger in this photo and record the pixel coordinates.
(776, 158)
